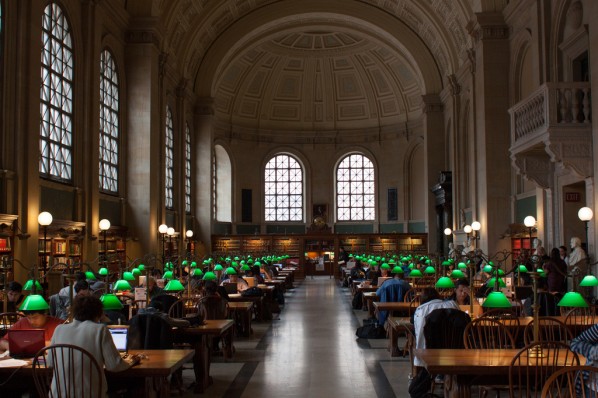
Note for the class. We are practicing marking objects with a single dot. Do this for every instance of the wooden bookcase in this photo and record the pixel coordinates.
(113, 249)
(7, 238)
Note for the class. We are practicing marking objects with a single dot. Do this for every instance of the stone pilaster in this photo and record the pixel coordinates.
(204, 131)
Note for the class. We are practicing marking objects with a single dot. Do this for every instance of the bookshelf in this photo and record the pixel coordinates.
(113, 248)
(7, 234)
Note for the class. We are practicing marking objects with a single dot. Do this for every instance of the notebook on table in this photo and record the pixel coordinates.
(119, 336)
(25, 343)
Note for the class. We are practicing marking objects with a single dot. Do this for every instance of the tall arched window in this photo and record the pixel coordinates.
(169, 160)
(109, 124)
(283, 189)
(56, 130)
(187, 169)
(355, 189)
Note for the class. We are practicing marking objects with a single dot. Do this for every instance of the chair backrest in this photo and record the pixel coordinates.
(183, 307)
(65, 370)
(487, 333)
(213, 307)
(580, 319)
(549, 329)
(149, 332)
(533, 364)
(570, 382)
(444, 328)
(508, 317)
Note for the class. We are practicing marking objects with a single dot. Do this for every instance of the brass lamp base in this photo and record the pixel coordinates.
(536, 352)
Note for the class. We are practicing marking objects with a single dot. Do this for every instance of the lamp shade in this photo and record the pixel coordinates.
(111, 302)
(141, 267)
(429, 270)
(573, 299)
(467, 229)
(104, 225)
(476, 226)
(193, 264)
(245, 267)
(163, 228)
(167, 275)
(589, 280)
(529, 221)
(487, 268)
(585, 214)
(230, 271)
(461, 265)
(522, 268)
(128, 276)
(492, 282)
(170, 231)
(196, 272)
(29, 285)
(34, 302)
(121, 285)
(397, 270)
(174, 286)
(457, 274)
(136, 271)
(415, 274)
(103, 271)
(444, 283)
(385, 266)
(90, 276)
(209, 276)
(218, 267)
(496, 300)
(189, 233)
(44, 219)
(448, 231)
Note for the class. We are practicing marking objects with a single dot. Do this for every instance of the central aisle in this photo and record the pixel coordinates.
(313, 351)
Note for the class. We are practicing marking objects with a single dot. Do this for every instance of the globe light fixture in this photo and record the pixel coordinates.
(467, 229)
(163, 229)
(448, 231)
(476, 226)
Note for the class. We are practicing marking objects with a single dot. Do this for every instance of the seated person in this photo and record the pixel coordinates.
(15, 298)
(34, 320)
(234, 278)
(60, 305)
(392, 290)
(586, 344)
(430, 300)
(548, 301)
(153, 289)
(357, 272)
(155, 308)
(86, 332)
(461, 293)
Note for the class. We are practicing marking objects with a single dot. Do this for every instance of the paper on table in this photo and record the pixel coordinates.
(12, 363)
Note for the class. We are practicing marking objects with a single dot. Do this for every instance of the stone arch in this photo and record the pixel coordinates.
(522, 50)
(410, 184)
(223, 192)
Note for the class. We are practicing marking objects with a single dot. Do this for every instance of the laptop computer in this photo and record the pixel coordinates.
(119, 337)
(230, 287)
(25, 343)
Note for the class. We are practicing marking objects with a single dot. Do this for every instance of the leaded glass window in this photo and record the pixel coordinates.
(284, 189)
(187, 169)
(355, 189)
(169, 160)
(56, 94)
(109, 123)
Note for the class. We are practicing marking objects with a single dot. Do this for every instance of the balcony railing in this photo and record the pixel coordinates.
(552, 105)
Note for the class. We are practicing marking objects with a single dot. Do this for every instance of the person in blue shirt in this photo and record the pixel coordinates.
(392, 290)
(586, 344)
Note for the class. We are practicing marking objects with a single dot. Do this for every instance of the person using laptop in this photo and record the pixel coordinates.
(34, 320)
(86, 332)
(234, 278)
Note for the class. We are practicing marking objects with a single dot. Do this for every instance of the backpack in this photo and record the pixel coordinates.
(252, 292)
(371, 331)
(357, 302)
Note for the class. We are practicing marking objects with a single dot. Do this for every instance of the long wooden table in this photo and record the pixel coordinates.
(464, 368)
(200, 338)
(148, 378)
(241, 313)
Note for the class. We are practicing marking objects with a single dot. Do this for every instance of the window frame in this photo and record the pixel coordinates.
(116, 116)
(367, 169)
(169, 160)
(285, 195)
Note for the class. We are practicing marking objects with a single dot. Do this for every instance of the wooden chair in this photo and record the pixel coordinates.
(550, 329)
(569, 382)
(579, 319)
(71, 370)
(183, 308)
(527, 374)
(486, 333)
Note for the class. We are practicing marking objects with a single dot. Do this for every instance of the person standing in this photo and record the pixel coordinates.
(556, 272)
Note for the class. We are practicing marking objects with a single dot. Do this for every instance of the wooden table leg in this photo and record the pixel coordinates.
(454, 388)
(201, 364)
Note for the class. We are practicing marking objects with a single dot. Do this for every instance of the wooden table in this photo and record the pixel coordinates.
(149, 378)
(368, 300)
(240, 312)
(258, 302)
(464, 368)
(395, 308)
(200, 337)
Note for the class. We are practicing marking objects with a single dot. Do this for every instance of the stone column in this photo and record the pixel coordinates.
(434, 160)
(204, 131)
(145, 187)
(491, 206)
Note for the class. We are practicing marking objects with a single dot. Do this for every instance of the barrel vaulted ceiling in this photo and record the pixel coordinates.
(327, 65)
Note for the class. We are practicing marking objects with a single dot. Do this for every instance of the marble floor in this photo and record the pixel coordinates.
(311, 351)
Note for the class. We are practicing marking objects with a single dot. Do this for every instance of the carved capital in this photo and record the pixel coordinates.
(535, 166)
(142, 37)
(454, 85)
